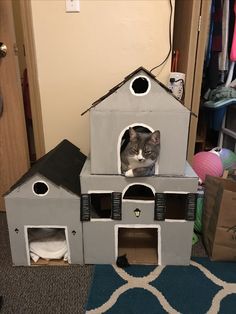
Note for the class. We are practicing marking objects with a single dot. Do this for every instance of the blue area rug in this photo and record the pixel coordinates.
(203, 287)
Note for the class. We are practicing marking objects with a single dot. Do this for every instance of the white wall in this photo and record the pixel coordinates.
(80, 56)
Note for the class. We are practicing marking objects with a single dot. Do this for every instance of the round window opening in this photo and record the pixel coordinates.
(140, 86)
(40, 188)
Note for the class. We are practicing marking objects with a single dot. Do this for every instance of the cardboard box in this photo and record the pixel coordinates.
(219, 218)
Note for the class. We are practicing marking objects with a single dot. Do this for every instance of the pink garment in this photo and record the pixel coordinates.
(233, 48)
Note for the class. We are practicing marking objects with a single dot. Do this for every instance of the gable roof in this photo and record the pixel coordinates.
(123, 82)
(62, 166)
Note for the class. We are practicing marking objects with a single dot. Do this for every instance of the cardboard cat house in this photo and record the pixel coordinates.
(149, 219)
(44, 206)
(139, 100)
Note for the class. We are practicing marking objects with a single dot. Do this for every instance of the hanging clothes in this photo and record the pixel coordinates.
(218, 73)
(232, 53)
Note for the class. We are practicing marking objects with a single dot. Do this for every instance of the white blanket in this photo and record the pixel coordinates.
(48, 244)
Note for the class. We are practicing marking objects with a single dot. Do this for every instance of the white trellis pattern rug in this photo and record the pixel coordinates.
(202, 287)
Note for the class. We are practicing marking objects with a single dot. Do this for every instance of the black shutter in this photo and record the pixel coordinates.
(190, 209)
(160, 206)
(85, 207)
(116, 213)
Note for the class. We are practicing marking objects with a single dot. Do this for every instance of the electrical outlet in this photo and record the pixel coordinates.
(72, 6)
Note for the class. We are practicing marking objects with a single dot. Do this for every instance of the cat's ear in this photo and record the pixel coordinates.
(132, 134)
(155, 137)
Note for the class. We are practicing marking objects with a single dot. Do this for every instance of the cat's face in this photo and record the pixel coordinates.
(143, 148)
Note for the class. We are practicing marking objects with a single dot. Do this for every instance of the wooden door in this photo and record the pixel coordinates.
(14, 156)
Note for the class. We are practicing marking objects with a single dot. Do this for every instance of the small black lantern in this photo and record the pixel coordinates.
(137, 212)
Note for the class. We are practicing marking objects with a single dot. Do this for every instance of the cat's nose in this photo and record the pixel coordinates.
(140, 159)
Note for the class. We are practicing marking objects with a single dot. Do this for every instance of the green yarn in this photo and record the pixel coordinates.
(198, 219)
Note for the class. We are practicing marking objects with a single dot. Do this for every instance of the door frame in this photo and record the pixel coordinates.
(198, 73)
(26, 236)
(139, 226)
(35, 101)
(191, 47)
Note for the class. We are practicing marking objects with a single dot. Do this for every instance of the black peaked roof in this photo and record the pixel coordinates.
(62, 166)
(123, 82)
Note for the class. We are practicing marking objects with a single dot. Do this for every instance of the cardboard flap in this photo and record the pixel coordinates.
(225, 184)
(219, 218)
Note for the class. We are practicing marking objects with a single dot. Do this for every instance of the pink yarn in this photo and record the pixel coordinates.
(207, 163)
(233, 47)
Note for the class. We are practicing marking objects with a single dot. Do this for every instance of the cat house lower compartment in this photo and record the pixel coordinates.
(139, 244)
(47, 246)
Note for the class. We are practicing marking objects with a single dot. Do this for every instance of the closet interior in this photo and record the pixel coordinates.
(204, 40)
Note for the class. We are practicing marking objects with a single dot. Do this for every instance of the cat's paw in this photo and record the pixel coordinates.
(129, 173)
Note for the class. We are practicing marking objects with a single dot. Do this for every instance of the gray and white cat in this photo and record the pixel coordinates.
(139, 157)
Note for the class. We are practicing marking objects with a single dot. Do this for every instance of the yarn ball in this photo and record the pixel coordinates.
(207, 163)
(227, 157)
(199, 209)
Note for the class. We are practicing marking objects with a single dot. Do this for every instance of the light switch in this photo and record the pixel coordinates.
(72, 6)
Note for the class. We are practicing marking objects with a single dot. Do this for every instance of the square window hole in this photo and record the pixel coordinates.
(101, 204)
(175, 206)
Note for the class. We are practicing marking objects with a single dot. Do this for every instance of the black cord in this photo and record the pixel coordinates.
(173, 80)
(170, 43)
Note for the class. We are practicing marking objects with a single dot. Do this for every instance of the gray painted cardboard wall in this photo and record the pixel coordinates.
(175, 241)
(118, 183)
(57, 208)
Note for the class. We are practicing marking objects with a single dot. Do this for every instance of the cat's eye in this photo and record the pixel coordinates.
(148, 152)
(134, 150)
